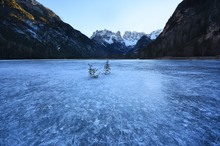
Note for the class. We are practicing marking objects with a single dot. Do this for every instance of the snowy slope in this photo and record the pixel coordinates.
(153, 35)
(131, 38)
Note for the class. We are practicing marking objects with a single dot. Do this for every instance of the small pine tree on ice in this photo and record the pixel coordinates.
(107, 68)
(93, 72)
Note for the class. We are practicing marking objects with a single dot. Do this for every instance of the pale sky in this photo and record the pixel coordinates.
(88, 16)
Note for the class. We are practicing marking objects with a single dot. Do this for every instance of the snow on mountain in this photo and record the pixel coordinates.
(107, 36)
(153, 35)
(125, 44)
(131, 38)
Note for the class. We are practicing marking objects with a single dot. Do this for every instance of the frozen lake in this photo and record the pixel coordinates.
(142, 102)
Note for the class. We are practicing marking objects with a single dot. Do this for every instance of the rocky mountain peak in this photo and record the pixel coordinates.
(128, 35)
(106, 36)
(118, 33)
(129, 38)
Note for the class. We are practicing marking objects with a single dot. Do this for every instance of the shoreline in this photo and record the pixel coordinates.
(190, 58)
(162, 58)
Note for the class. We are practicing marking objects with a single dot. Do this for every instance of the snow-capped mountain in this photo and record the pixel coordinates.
(125, 45)
(106, 36)
(153, 35)
(110, 41)
(131, 38)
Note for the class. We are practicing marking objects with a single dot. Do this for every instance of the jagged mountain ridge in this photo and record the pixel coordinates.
(111, 42)
(123, 45)
(192, 30)
(106, 36)
(129, 38)
(30, 30)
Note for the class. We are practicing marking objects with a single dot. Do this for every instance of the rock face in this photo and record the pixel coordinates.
(193, 30)
(29, 30)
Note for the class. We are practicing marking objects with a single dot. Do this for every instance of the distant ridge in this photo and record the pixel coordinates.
(126, 45)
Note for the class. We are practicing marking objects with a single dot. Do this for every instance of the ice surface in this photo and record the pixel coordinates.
(142, 102)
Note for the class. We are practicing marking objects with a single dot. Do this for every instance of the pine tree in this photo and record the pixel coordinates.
(93, 72)
(107, 68)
